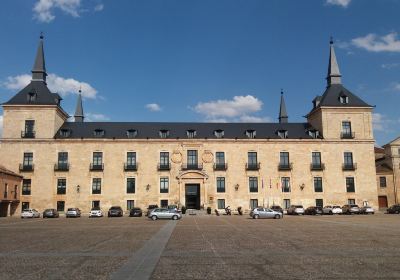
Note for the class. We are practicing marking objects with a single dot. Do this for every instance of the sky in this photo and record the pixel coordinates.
(204, 60)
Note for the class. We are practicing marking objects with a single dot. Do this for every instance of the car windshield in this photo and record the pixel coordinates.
(71, 209)
(336, 206)
(95, 209)
(115, 208)
(299, 206)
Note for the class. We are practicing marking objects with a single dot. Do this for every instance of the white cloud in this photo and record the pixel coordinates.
(390, 65)
(396, 86)
(153, 107)
(382, 123)
(343, 3)
(93, 117)
(99, 7)
(44, 9)
(375, 43)
(1, 126)
(253, 119)
(62, 86)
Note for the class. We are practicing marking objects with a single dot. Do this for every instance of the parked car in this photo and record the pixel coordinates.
(174, 207)
(50, 213)
(295, 210)
(135, 212)
(73, 212)
(330, 210)
(164, 213)
(394, 209)
(277, 208)
(265, 213)
(115, 211)
(95, 212)
(367, 210)
(350, 209)
(150, 208)
(313, 210)
(30, 213)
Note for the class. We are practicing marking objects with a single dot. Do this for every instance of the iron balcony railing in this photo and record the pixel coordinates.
(220, 166)
(317, 166)
(130, 166)
(285, 166)
(349, 166)
(28, 134)
(347, 135)
(61, 167)
(26, 167)
(164, 166)
(192, 166)
(253, 166)
(96, 167)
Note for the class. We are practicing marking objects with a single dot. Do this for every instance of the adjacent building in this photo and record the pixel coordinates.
(328, 159)
(10, 187)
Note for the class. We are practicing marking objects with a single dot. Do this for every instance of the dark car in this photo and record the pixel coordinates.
(277, 208)
(50, 213)
(151, 208)
(394, 209)
(313, 210)
(135, 212)
(115, 211)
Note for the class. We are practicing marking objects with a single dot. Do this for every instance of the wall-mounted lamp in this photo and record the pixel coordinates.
(78, 188)
(148, 187)
(302, 186)
(236, 187)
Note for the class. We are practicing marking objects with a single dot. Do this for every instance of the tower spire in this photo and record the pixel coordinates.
(334, 76)
(39, 67)
(283, 117)
(79, 108)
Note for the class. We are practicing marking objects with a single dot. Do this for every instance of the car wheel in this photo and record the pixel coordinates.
(397, 212)
(154, 217)
(256, 216)
(330, 213)
(277, 216)
(175, 217)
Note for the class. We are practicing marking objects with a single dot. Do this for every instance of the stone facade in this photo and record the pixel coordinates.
(10, 186)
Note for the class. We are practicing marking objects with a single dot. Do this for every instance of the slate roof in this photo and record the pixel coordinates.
(382, 166)
(332, 94)
(151, 130)
(4, 170)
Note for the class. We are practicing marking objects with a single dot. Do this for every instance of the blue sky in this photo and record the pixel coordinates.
(205, 60)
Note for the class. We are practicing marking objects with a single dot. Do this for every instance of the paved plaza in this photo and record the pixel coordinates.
(202, 247)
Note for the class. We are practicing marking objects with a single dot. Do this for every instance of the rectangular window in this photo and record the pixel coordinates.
(221, 203)
(96, 204)
(130, 204)
(28, 159)
(61, 186)
(318, 184)
(252, 158)
(253, 203)
(286, 203)
(348, 159)
(62, 158)
(346, 128)
(221, 184)
(29, 126)
(97, 158)
(350, 184)
(164, 185)
(253, 184)
(15, 192)
(382, 182)
(96, 186)
(60, 206)
(164, 159)
(25, 205)
(285, 184)
(26, 186)
(284, 159)
(164, 203)
(351, 201)
(316, 159)
(130, 185)
(319, 202)
(192, 157)
(220, 158)
(131, 158)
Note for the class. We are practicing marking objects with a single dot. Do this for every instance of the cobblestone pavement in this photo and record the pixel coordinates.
(203, 247)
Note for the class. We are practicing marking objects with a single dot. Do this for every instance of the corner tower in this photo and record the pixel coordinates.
(34, 112)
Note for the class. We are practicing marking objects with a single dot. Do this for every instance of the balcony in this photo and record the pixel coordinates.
(97, 167)
(26, 167)
(28, 134)
(253, 166)
(220, 166)
(317, 166)
(347, 135)
(130, 166)
(164, 166)
(285, 166)
(349, 166)
(61, 167)
(192, 166)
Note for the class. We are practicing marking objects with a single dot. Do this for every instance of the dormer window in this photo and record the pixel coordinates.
(313, 133)
(32, 96)
(131, 133)
(250, 133)
(282, 133)
(316, 101)
(164, 133)
(191, 133)
(98, 133)
(65, 132)
(343, 99)
(219, 133)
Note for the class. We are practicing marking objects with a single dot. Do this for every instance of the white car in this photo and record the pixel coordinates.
(295, 210)
(95, 212)
(30, 213)
(330, 210)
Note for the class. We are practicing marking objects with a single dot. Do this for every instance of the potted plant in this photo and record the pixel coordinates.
(183, 209)
(209, 210)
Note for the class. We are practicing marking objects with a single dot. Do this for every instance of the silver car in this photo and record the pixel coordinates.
(30, 213)
(265, 213)
(295, 210)
(164, 213)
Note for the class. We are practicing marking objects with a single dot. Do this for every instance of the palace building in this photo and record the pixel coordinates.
(328, 159)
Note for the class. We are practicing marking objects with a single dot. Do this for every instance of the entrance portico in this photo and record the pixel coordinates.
(193, 188)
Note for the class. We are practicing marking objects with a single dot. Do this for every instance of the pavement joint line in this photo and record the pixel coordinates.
(22, 223)
(142, 264)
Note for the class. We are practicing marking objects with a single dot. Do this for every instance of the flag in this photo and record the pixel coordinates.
(262, 183)
(270, 182)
